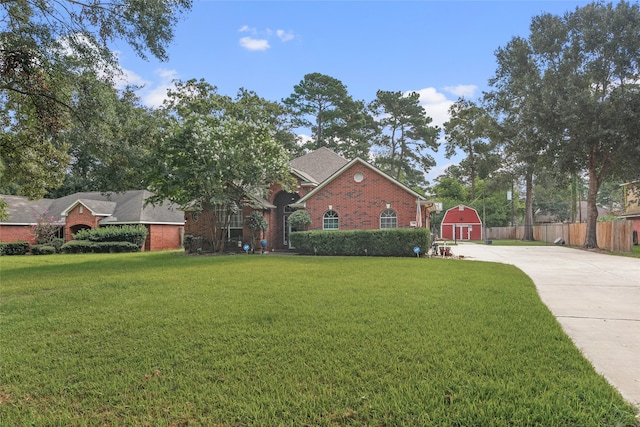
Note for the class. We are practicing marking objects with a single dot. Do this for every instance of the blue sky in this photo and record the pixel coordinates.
(441, 49)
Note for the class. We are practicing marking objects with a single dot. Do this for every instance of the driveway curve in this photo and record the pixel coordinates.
(594, 296)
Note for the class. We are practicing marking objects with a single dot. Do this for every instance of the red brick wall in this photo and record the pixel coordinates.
(359, 204)
(162, 237)
(75, 217)
(202, 226)
(15, 233)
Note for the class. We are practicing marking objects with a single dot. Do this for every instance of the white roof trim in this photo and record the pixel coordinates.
(79, 202)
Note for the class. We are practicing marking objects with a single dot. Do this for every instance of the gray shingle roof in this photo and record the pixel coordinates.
(318, 165)
(118, 208)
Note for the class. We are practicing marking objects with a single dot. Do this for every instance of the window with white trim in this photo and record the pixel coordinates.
(330, 220)
(388, 219)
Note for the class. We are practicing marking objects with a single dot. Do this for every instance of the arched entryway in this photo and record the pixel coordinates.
(282, 229)
(74, 229)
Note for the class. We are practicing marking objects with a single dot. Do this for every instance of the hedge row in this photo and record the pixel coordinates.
(43, 249)
(396, 242)
(14, 248)
(86, 246)
(135, 234)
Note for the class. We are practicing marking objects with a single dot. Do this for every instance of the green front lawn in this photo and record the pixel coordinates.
(163, 339)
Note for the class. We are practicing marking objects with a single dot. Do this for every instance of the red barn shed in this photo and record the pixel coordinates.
(461, 223)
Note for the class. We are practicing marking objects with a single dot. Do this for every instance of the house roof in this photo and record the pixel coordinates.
(345, 167)
(316, 166)
(22, 211)
(116, 208)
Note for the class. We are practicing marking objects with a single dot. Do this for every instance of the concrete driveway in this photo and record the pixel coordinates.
(595, 297)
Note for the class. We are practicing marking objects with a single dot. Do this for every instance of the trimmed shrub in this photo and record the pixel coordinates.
(77, 247)
(396, 242)
(300, 220)
(57, 244)
(86, 246)
(14, 248)
(193, 244)
(115, 247)
(43, 250)
(135, 234)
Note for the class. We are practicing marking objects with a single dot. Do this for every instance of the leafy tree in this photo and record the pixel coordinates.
(518, 103)
(586, 92)
(322, 104)
(45, 48)
(257, 224)
(552, 195)
(406, 135)
(111, 151)
(469, 130)
(490, 200)
(594, 67)
(216, 151)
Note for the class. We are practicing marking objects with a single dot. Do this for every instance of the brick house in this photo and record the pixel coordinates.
(338, 194)
(165, 224)
(461, 223)
(632, 207)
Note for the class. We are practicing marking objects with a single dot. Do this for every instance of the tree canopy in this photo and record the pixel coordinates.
(322, 104)
(216, 152)
(573, 89)
(48, 49)
(406, 136)
(469, 129)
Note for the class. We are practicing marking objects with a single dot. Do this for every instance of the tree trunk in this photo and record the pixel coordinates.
(591, 238)
(528, 206)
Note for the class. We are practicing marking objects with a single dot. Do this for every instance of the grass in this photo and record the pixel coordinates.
(162, 339)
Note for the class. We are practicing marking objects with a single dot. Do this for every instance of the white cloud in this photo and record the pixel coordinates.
(252, 44)
(151, 93)
(155, 95)
(466, 91)
(259, 39)
(285, 36)
(436, 104)
(247, 29)
(128, 77)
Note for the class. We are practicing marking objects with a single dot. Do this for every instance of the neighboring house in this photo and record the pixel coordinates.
(632, 206)
(338, 194)
(92, 210)
(461, 223)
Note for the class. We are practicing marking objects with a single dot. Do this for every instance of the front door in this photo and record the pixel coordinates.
(282, 202)
(286, 227)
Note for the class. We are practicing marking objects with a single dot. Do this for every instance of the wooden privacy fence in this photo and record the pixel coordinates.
(616, 236)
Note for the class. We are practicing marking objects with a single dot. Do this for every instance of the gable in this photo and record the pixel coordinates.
(349, 174)
(96, 207)
(461, 214)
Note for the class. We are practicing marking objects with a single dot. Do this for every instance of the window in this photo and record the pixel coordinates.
(330, 221)
(236, 221)
(234, 215)
(388, 219)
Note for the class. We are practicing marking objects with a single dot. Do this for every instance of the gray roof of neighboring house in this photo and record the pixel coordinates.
(21, 210)
(117, 208)
(318, 165)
